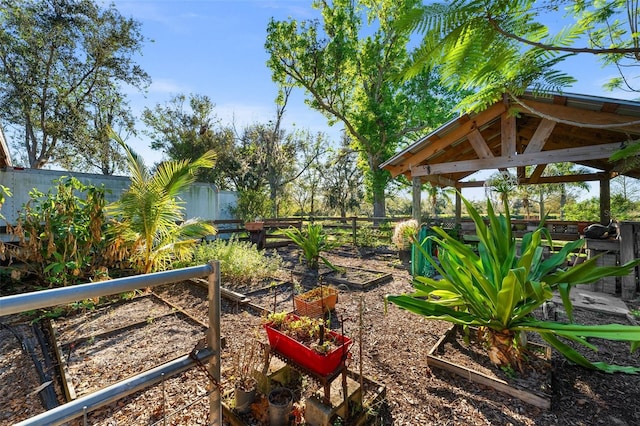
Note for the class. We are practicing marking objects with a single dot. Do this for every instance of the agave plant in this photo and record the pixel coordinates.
(497, 290)
(150, 215)
(312, 241)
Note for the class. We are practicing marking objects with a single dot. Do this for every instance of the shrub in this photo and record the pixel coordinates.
(240, 261)
(61, 233)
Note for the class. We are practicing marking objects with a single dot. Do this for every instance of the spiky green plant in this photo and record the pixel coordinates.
(497, 289)
(312, 241)
(150, 215)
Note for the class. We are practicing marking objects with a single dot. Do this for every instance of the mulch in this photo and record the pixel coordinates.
(394, 346)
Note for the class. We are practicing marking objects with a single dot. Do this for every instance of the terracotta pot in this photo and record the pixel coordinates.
(314, 303)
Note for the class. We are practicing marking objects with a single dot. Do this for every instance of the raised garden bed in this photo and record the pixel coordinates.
(453, 354)
(357, 278)
(90, 347)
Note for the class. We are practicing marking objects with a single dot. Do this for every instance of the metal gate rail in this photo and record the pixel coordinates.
(18, 303)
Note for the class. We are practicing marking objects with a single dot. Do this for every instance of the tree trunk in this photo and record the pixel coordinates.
(379, 205)
(273, 195)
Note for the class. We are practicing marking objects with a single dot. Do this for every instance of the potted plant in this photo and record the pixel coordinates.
(246, 361)
(317, 301)
(280, 406)
(404, 234)
(307, 342)
(312, 241)
(497, 290)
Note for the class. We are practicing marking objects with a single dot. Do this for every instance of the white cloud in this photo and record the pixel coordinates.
(167, 85)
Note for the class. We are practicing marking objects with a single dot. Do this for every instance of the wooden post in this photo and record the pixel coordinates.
(417, 193)
(627, 239)
(605, 200)
(458, 205)
(354, 230)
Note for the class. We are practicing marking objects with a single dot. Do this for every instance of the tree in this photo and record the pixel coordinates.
(150, 216)
(355, 80)
(93, 149)
(54, 57)
(564, 189)
(280, 149)
(499, 46)
(627, 187)
(305, 192)
(186, 127)
(343, 186)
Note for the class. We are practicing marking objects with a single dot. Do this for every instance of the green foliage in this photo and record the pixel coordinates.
(372, 236)
(589, 209)
(61, 233)
(313, 241)
(150, 228)
(342, 184)
(251, 204)
(61, 66)
(354, 79)
(500, 46)
(4, 192)
(240, 261)
(498, 288)
(185, 128)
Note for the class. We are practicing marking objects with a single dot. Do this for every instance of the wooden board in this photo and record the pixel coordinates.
(493, 382)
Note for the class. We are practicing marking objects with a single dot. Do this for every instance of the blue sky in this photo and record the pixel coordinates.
(216, 48)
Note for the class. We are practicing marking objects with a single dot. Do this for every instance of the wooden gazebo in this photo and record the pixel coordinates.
(528, 131)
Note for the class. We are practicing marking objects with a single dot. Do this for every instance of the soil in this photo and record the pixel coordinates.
(393, 343)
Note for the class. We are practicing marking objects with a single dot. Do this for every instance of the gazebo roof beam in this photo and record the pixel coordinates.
(578, 154)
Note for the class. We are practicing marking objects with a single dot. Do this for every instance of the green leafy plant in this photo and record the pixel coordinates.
(61, 233)
(4, 192)
(240, 261)
(311, 332)
(404, 233)
(313, 241)
(497, 290)
(370, 236)
(149, 226)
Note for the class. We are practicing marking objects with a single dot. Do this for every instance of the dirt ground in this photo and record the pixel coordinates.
(395, 343)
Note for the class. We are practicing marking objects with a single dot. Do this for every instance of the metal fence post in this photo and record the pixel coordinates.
(213, 341)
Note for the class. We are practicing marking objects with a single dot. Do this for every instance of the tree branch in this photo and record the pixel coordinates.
(600, 51)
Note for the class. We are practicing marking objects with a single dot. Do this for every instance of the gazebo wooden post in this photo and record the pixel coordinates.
(605, 200)
(417, 194)
(458, 204)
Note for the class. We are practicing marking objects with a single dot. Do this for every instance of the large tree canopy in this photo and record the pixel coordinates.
(498, 46)
(57, 60)
(186, 127)
(350, 66)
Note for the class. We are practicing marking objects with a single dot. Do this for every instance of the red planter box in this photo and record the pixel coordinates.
(322, 365)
